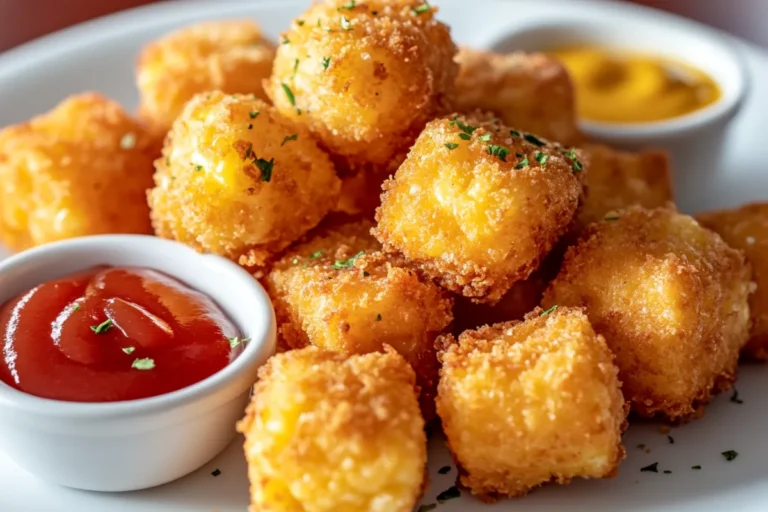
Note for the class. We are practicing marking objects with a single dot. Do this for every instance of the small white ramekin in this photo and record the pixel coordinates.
(122, 446)
(694, 141)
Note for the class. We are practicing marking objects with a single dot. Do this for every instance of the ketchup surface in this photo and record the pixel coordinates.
(110, 334)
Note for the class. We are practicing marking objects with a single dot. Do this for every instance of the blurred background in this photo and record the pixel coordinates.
(23, 20)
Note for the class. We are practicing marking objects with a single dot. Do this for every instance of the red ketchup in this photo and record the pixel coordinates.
(111, 334)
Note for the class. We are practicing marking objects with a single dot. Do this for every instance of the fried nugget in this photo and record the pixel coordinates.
(618, 179)
(364, 77)
(525, 403)
(231, 56)
(336, 293)
(530, 91)
(746, 229)
(240, 180)
(80, 169)
(327, 433)
(670, 297)
(477, 206)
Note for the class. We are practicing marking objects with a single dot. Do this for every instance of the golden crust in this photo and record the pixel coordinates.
(389, 71)
(746, 229)
(80, 169)
(368, 304)
(327, 433)
(472, 221)
(227, 55)
(529, 91)
(525, 403)
(670, 297)
(214, 189)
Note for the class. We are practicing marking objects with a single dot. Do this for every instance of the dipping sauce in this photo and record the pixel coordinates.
(110, 334)
(617, 87)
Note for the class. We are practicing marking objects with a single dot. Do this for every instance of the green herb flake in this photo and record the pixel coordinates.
(730, 455)
(529, 137)
(696, 467)
(143, 364)
(514, 133)
(548, 311)
(254, 114)
(420, 8)
(671, 439)
(285, 41)
(295, 66)
(76, 307)
(576, 164)
(451, 145)
(316, 255)
(198, 167)
(735, 397)
(216, 472)
(499, 152)
(348, 263)
(289, 138)
(237, 341)
(326, 62)
(102, 327)
(541, 158)
(289, 94)
(450, 493)
(444, 470)
(167, 161)
(465, 136)
(378, 317)
(349, 5)
(250, 126)
(651, 468)
(485, 138)
(128, 141)
(469, 130)
(128, 350)
(522, 163)
(345, 24)
(265, 167)
(300, 23)
(611, 217)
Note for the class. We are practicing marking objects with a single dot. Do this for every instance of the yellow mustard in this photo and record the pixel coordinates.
(619, 87)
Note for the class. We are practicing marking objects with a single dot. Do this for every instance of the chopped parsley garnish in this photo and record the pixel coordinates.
(427, 507)
(541, 158)
(735, 397)
(514, 133)
(444, 470)
(451, 145)
(295, 65)
(316, 255)
(254, 114)
(128, 141)
(286, 41)
(348, 263)
(289, 94)
(465, 136)
(250, 126)
(576, 164)
(653, 468)
(216, 472)
(326, 62)
(349, 5)
(143, 364)
(76, 307)
(300, 23)
(485, 138)
(696, 467)
(499, 152)
(237, 340)
(667, 472)
(671, 439)
(533, 139)
(420, 8)
(265, 167)
(129, 350)
(548, 311)
(345, 24)
(378, 317)
(198, 167)
(102, 327)
(611, 217)
(449, 494)
(730, 455)
(289, 138)
(522, 163)
(469, 130)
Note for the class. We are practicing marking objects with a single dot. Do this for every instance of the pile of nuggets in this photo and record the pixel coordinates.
(441, 244)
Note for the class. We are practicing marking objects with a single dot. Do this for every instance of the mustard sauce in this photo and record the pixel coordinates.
(624, 87)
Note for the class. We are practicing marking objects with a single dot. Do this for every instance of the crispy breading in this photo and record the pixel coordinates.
(337, 292)
(227, 55)
(529, 91)
(526, 403)
(364, 77)
(239, 179)
(80, 169)
(670, 297)
(478, 206)
(327, 433)
(746, 229)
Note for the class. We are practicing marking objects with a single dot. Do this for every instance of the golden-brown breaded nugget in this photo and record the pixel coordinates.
(530, 91)
(80, 169)
(229, 55)
(478, 206)
(618, 179)
(746, 229)
(364, 77)
(525, 403)
(335, 293)
(329, 433)
(361, 192)
(670, 297)
(239, 179)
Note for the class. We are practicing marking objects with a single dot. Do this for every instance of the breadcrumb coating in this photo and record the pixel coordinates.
(670, 297)
(330, 433)
(477, 205)
(526, 403)
(530, 91)
(80, 169)
(226, 55)
(240, 180)
(746, 229)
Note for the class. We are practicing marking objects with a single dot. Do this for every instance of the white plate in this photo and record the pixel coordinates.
(100, 55)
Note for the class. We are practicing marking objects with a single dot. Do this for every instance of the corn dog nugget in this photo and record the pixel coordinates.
(240, 180)
(670, 297)
(478, 206)
(80, 169)
(530, 91)
(364, 76)
(327, 433)
(746, 229)
(526, 403)
(336, 293)
(231, 56)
